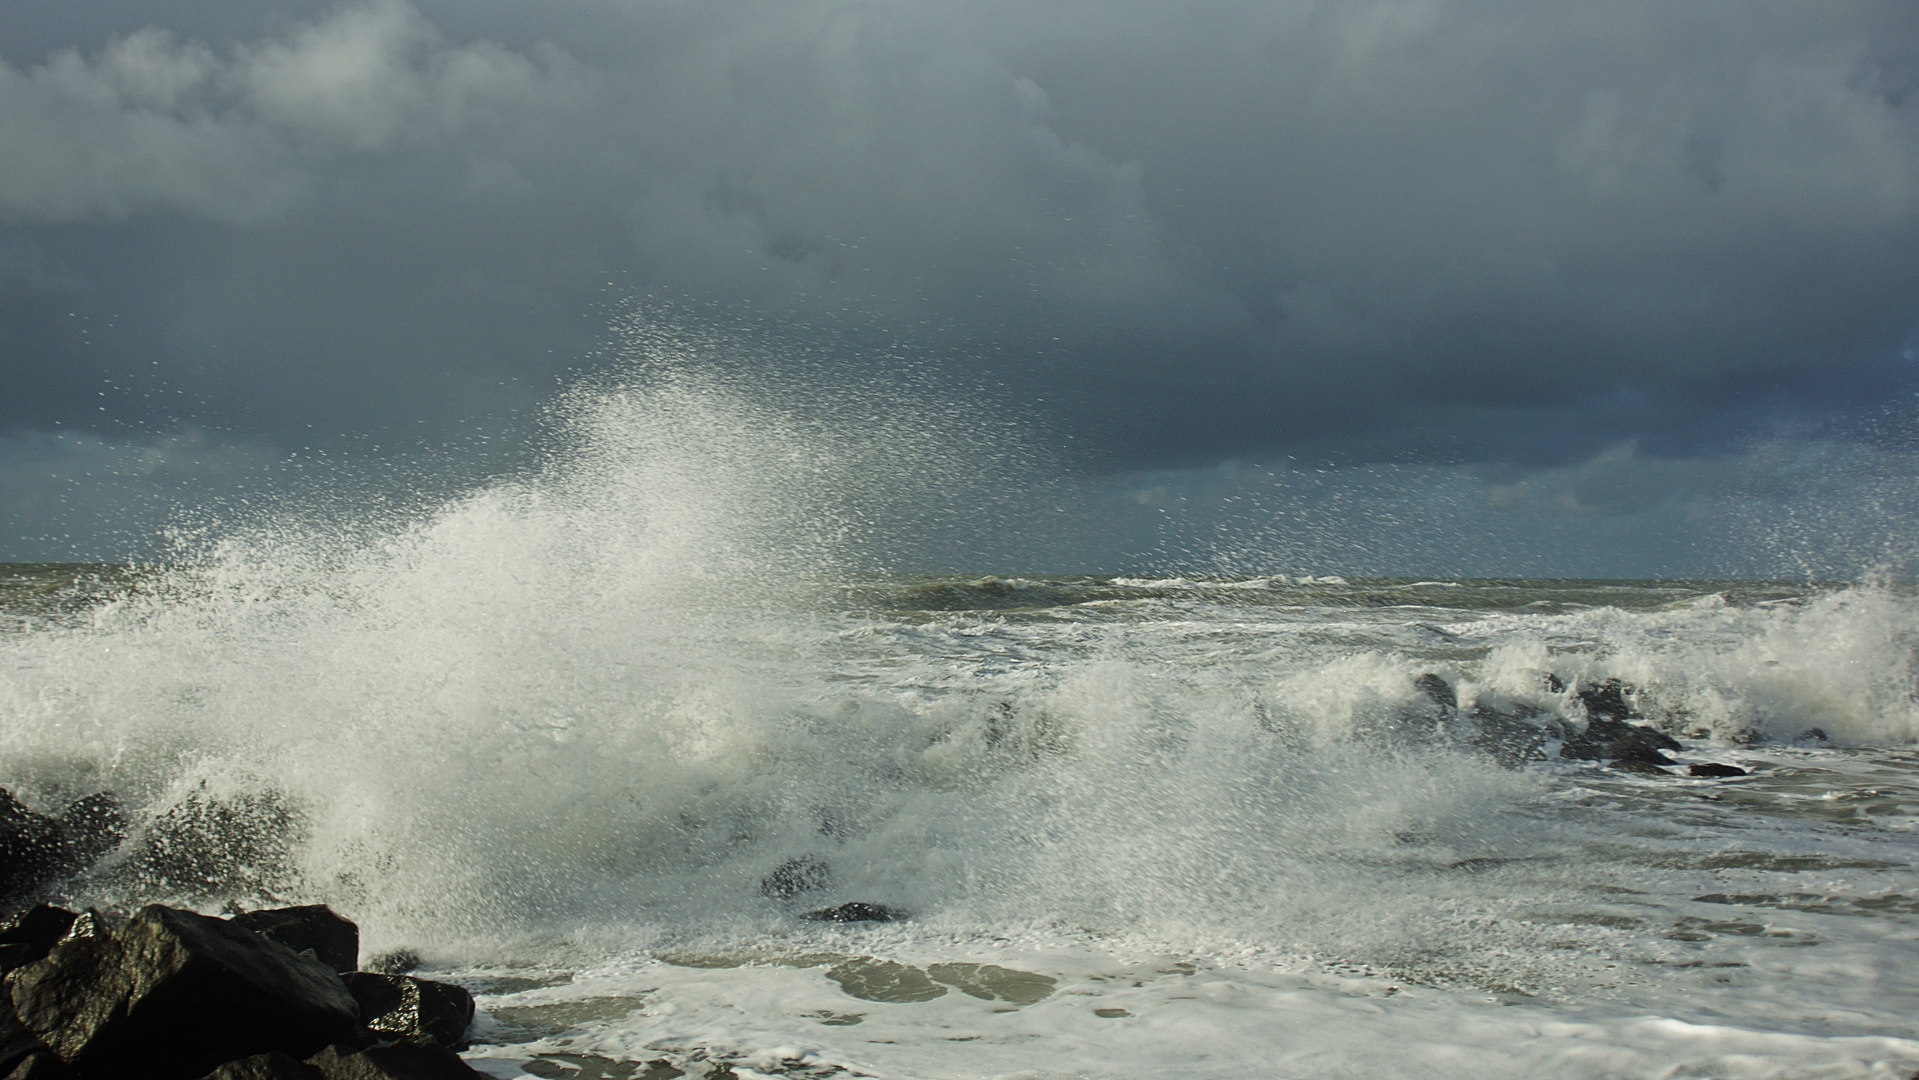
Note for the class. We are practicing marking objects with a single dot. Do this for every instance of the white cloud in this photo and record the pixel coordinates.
(154, 123)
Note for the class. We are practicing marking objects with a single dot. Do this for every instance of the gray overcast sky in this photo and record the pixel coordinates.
(1421, 286)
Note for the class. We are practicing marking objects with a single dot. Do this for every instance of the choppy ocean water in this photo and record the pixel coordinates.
(1141, 826)
(593, 740)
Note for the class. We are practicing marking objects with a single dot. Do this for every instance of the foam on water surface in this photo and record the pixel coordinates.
(568, 728)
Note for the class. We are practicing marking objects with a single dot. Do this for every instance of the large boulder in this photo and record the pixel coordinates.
(336, 941)
(409, 1060)
(403, 1007)
(172, 995)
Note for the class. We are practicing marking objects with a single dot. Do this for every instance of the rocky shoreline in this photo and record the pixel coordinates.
(170, 994)
(279, 994)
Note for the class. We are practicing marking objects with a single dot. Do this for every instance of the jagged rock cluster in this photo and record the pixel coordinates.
(1521, 732)
(173, 995)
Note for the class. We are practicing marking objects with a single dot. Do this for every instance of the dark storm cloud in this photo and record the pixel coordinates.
(1515, 235)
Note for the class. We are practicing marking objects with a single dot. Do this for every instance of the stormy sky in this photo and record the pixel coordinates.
(1407, 286)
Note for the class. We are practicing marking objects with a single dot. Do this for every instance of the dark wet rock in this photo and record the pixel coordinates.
(172, 995)
(411, 1060)
(1811, 735)
(39, 1065)
(857, 911)
(18, 1045)
(32, 934)
(335, 940)
(400, 1007)
(94, 826)
(1634, 765)
(34, 849)
(1608, 700)
(1713, 768)
(396, 962)
(1512, 736)
(1606, 738)
(1511, 732)
(204, 844)
(1436, 689)
(807, 873)
(1554, 684)
(269, 1066)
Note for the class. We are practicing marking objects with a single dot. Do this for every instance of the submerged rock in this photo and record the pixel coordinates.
(885, 981)
(857, 911)
(807, 873)
(334, 940)
(172, 995)
(1633, 765)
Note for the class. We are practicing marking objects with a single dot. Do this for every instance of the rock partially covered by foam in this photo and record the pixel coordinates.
(1609, 739)
(1606, 734)
(858, 911)
(172, 995)
(1513, 733)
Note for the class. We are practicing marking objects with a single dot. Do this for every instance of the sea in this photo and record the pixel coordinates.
(602, 741)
